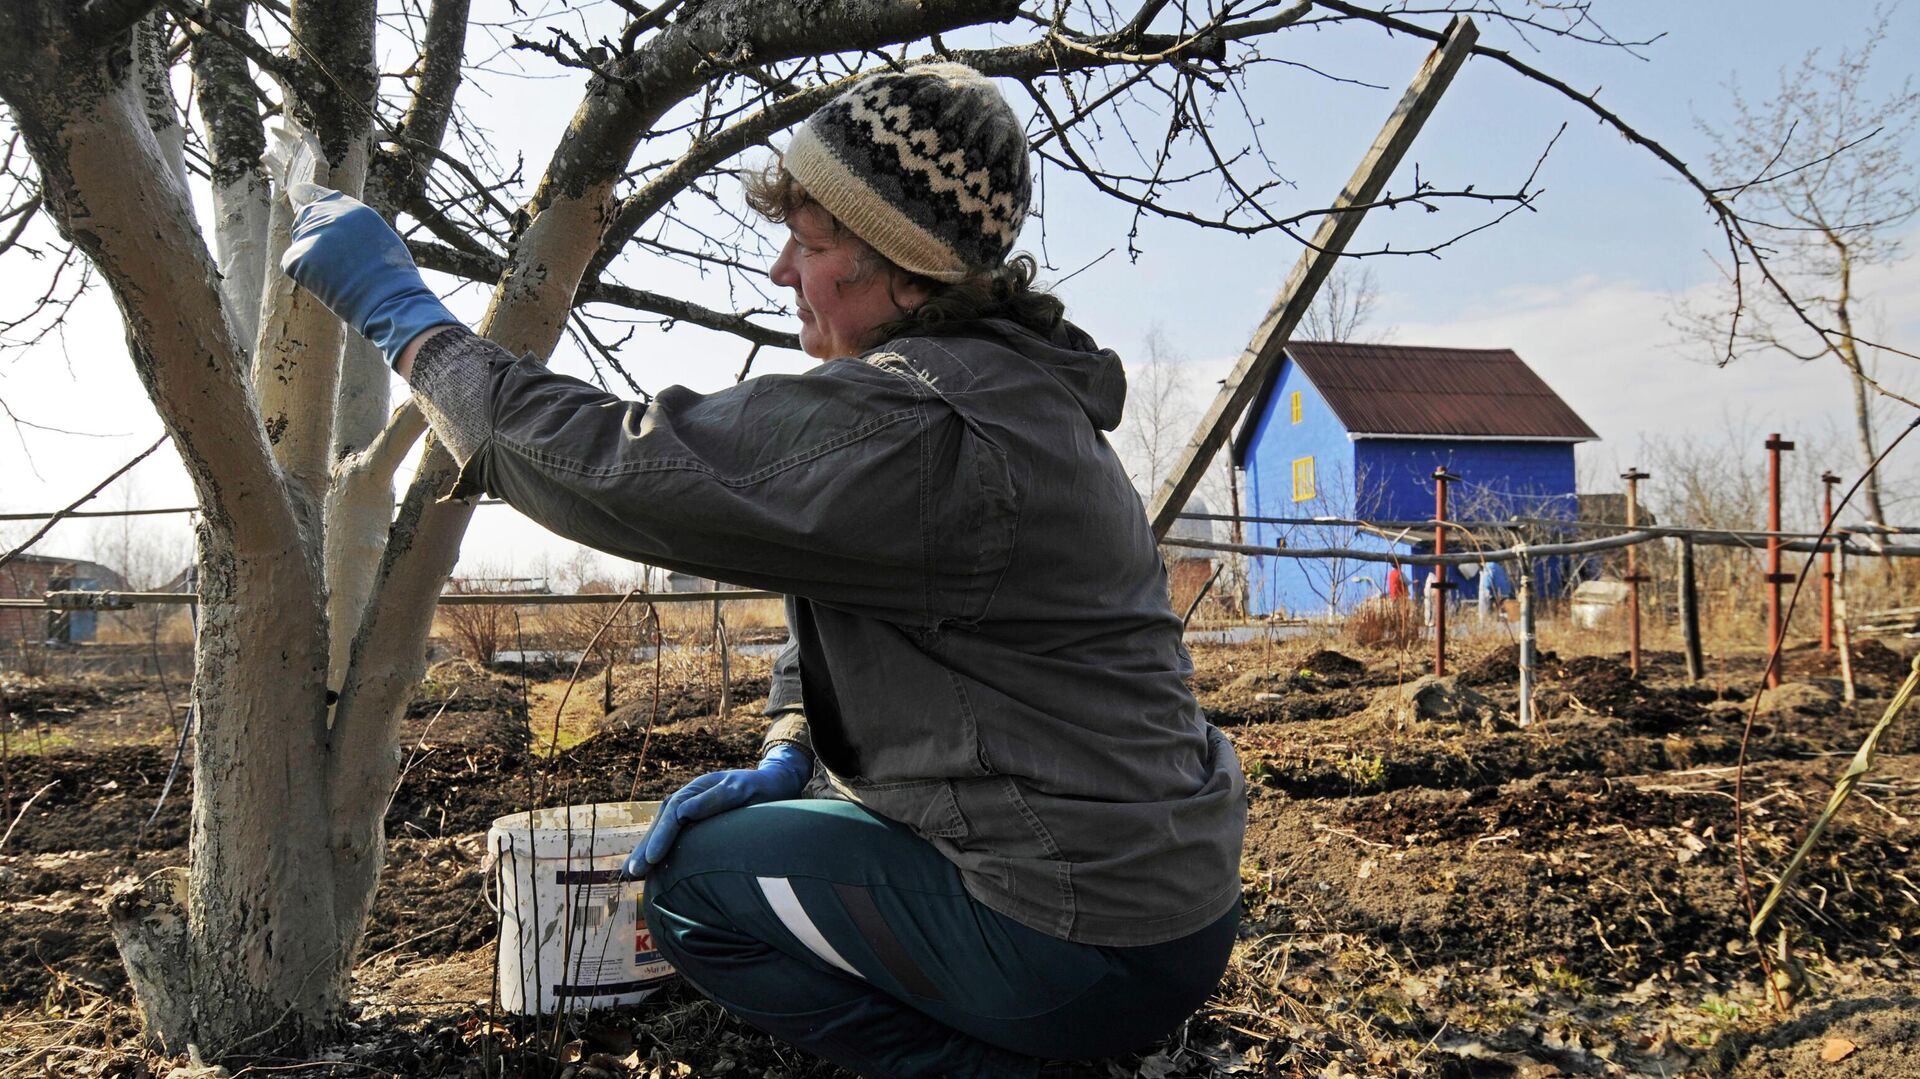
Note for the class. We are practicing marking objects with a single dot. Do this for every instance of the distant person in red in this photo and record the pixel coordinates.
(1396, 584)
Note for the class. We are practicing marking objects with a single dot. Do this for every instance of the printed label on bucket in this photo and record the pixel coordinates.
(596, 895)
(571, 931)
(644, 951)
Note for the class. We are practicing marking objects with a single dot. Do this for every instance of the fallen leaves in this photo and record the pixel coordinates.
(1836, 1050)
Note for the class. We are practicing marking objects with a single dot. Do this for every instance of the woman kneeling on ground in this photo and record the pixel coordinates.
(991, 825)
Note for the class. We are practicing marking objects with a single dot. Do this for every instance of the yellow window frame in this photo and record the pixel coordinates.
(1296, 406)
(1303, 489)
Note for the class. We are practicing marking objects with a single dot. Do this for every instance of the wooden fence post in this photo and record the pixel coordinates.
(1524, 567)
(1840, 623)
(1690, 612)
(721, 648)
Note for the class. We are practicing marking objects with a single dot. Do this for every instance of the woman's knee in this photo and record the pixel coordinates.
(689, 897)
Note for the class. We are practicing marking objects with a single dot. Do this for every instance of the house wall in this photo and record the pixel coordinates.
(28, 577)
(1498, 480)
(23, 578)
(31, 577)
(1289, 585)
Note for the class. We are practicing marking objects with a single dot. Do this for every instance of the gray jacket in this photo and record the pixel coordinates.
(981, 632)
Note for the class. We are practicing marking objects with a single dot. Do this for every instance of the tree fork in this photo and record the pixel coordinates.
(260, 664)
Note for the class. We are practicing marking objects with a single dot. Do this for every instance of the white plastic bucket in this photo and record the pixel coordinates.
(571, 933)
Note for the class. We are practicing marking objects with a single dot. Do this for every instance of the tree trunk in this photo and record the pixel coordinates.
(236, 141)
(249, 938)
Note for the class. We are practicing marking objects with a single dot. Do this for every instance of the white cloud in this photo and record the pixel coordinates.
(1606, 346)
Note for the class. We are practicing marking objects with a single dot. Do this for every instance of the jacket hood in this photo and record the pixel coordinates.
(1093, 375)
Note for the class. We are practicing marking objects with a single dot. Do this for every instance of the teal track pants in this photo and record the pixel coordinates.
(852, 938)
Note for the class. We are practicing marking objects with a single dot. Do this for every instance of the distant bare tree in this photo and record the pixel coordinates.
(606, 631)
(1161, 413)
(1820, 171)
(1338, 497)
(1343, 309)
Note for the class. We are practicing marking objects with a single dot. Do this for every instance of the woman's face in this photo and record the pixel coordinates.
(840, 286)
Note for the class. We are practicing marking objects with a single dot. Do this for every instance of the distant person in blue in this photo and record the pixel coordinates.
(1496, 581)
(990, 827)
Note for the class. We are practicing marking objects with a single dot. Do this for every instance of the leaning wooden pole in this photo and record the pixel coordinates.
(1690, 612)
(1336, 228)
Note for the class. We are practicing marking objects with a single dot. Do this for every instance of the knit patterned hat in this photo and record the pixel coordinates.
(928, 165)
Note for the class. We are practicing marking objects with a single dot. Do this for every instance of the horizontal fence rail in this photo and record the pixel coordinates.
(1732, 537)
(120, 601)
(1468, 558)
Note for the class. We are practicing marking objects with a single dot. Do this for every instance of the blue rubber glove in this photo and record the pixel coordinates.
(345, 255)
(783, 774)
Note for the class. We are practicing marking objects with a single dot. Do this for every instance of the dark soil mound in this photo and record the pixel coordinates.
(1543, 870)
(1603, 685)
(448, 791)
(99, 800)
(1873, 658)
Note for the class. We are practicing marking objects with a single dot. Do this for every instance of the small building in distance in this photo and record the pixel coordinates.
(1190, 570)
(1349, 430)
(32, 576)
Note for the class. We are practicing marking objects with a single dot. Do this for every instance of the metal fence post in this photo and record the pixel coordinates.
(1846, 637)
(1776, 627)
(1440, 584)
(1827, 479)
(1633, 476)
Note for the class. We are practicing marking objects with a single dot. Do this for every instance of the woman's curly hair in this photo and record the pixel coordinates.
(1008, 291)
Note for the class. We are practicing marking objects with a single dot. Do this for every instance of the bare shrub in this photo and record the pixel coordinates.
(607, 632)
(1384, 623)
(476, 629)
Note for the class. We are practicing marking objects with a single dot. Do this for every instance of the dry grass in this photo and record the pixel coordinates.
(1384, 624)
(745, 614)
(169, 626)
(77, 1030)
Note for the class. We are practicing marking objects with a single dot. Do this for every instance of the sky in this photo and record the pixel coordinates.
(1584, 288)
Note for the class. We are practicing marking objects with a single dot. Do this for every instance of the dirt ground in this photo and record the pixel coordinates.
(1431, 890)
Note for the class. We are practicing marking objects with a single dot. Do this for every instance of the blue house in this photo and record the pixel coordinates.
(1355, 431)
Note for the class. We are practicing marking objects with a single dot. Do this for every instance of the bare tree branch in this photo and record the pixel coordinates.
(81, 501)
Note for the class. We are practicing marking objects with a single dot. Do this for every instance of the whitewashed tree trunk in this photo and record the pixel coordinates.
(251, 928)
(241, 195)
(359, 515)
(240, 209)
(156, 94)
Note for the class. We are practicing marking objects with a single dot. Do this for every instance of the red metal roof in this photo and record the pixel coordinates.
(1436, 392)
